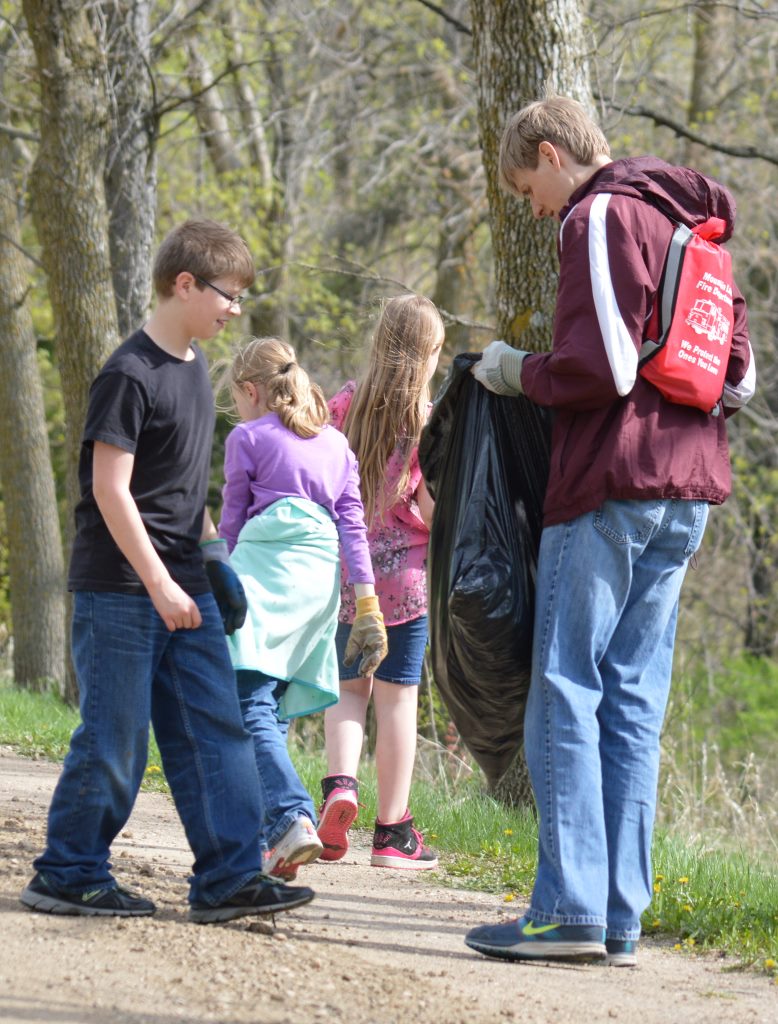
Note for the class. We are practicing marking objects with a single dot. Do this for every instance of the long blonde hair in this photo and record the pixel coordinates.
(291, 394)
(389, 406)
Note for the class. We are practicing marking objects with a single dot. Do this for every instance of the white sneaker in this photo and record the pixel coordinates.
(298, 845)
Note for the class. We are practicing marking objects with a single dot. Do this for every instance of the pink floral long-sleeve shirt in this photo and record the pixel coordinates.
(398, 541)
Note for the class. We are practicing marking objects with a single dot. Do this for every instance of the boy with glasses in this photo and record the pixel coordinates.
(153, 598)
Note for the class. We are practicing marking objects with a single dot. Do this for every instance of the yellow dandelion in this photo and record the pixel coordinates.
(677, 945)
(508, 832)
(657, 886)
(687, 907)
(655, 923)
(769, 963)
(659, 878)
(683, 879)
(509, 897)
(690, 941)
(152, 768)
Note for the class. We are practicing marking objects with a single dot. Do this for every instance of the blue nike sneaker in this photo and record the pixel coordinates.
(524, 939)
(621, 952)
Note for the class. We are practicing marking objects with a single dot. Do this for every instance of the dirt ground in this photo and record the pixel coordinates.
(375, 946)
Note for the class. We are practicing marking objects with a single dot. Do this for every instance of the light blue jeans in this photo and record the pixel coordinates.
(283, 795)
(608, 584)
(131, 670)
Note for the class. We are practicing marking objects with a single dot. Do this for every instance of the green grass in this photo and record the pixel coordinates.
(702, 899)
(39, 725)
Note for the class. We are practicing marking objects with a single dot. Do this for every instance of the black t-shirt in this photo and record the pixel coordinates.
(160, 408)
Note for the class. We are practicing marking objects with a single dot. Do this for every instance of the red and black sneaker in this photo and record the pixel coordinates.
(337, 814)
(400, 845)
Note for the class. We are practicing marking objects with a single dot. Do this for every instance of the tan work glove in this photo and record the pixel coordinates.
(367, 637)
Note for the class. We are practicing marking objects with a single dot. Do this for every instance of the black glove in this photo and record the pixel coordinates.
(225, 584)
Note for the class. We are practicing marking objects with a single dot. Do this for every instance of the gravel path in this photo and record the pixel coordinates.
(375, 947)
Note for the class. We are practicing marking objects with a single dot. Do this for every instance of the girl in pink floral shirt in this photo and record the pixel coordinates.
(382, 415)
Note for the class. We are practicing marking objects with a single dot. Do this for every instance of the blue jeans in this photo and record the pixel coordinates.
(283, 795)
(407, 643)
(131, 670)
(608, 584)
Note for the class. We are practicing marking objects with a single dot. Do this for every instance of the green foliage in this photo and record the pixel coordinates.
(40, 725)
(736, 708)
(714, 901)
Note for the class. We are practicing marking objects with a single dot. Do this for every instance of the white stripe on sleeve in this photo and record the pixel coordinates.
(619, 346)
(737, 395)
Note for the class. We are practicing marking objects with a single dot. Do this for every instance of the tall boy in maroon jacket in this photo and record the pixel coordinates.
(632, 476)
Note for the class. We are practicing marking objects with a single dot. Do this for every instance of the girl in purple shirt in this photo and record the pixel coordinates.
(382, 415)
(291, 504)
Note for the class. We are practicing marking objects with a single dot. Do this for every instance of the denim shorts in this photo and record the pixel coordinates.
(402, 665)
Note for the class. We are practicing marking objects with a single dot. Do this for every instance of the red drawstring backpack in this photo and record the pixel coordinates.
(689, 332)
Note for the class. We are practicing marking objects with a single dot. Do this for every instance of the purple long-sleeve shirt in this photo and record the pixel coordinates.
(264, 462)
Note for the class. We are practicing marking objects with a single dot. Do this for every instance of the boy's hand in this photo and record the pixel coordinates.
(225, 584)
(175, 607)
(367, 637)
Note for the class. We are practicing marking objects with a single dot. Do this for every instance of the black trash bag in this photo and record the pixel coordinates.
(484, 458)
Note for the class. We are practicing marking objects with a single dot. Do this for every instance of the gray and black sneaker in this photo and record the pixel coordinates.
(103, 901)
(261, 895)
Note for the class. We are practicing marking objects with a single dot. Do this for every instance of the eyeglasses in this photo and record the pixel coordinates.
(234, 300)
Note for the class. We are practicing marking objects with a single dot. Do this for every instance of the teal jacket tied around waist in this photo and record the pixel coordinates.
(289, 564)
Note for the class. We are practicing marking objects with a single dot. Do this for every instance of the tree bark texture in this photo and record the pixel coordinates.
(70, 212)
(68, 202)
(131, 169)
(521, 48)
(35, 562)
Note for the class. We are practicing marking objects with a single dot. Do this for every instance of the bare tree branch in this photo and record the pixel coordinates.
(746, 152)
(17, 133)
(25, 252)
(367, 275)
(755, 12)
(458, 25)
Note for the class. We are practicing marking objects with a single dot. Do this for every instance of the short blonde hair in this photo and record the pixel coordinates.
(556, 119)
(291, 394)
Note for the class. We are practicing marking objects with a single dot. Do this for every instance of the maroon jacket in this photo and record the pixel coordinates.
(614, 435)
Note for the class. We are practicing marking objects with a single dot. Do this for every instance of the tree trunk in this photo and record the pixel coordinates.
(520, 49)
(248, 107)
(69, 209)
(35, 563)
(211, 119)
(270, 313)
(709, 46)
(131, 170)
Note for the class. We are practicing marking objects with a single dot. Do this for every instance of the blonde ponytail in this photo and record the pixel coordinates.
(297, 401)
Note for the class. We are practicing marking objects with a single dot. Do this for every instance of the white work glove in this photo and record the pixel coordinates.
(499, 369)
